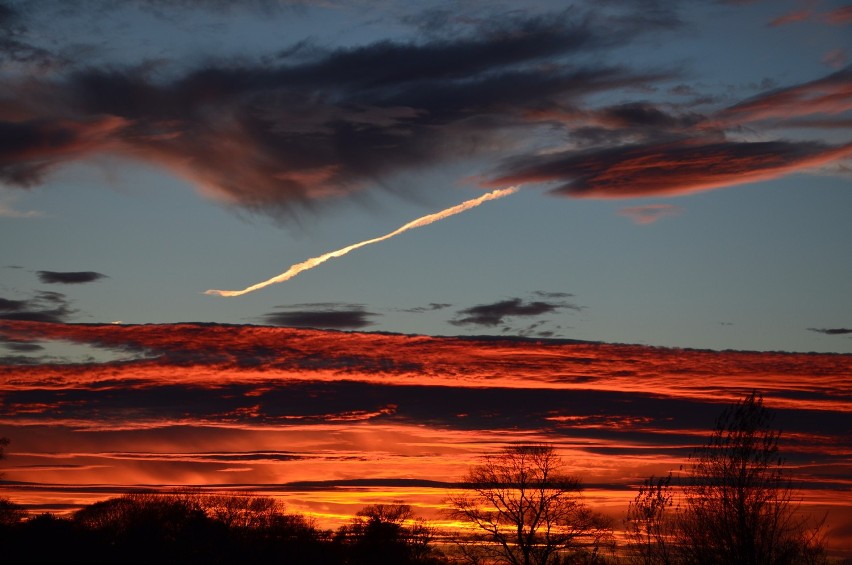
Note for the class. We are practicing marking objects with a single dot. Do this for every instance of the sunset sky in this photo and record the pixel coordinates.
(681, 230)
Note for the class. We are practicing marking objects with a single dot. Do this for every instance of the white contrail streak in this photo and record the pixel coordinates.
(418, 223)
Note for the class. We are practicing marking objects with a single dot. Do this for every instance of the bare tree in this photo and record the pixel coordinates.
(649, 525)
(739, 505)
(736, 504)
(527, 510)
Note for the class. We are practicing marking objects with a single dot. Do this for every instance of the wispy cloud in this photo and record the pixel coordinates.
(8, 211)
(791, 17)
(40, 307)
(495, 313)
(832, 331)
(677, 168)
(649, 213)
(431, 307)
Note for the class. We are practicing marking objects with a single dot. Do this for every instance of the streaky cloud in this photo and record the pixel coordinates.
(832, 331)
(668, 169)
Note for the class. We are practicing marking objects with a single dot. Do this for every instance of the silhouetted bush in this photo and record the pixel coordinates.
(386, 533)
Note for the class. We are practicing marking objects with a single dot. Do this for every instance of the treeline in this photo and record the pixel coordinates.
(732, 504)
(211, 528)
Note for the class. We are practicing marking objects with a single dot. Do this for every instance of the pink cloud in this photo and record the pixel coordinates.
(649, 213)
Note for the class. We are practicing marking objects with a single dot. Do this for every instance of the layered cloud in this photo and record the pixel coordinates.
(666, 169)
(42, 306)
(638, 149)
(294, 410)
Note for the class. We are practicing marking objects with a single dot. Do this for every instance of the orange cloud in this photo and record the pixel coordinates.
(332, 421)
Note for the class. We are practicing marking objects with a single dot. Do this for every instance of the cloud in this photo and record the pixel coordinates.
(791, 17)
(831, 95)
(69, 277)
(840, 16)
(835, 58)
(832, 331)
(638, 149)
(21, 346)
(14, 47)
(649, 213)
(330, 316)
(546, 294)
(668, 169)
(7, 210)
(494, 314)
(41, 307)
(431, 307)
(270, 137)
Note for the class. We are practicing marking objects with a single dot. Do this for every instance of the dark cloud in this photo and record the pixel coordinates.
(494, 314)
(269, 137)
(832, 331)
(639, 149)
(41, 307)
(15, 46)
(546, 294)
(682, 167)
(21, 346)
(332, 316)
(69, 277)
(431, 307)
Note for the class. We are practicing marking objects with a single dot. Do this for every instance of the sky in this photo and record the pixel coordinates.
(680, 175)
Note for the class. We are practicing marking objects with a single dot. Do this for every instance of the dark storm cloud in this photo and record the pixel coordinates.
(331, 316)
(495, 313)
(268, 137)
(41, 307)
(69, 277)
(832, 331)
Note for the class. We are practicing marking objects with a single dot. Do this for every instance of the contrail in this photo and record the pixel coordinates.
(418, 223)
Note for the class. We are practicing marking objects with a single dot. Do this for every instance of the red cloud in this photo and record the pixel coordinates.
(668, 169)
(828, 95)
(840, 16)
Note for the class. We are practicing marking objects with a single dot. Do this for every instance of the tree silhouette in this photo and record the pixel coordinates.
(387, 533)
(735, 506)
(527, 511)
(738, 503)
(649, 526)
